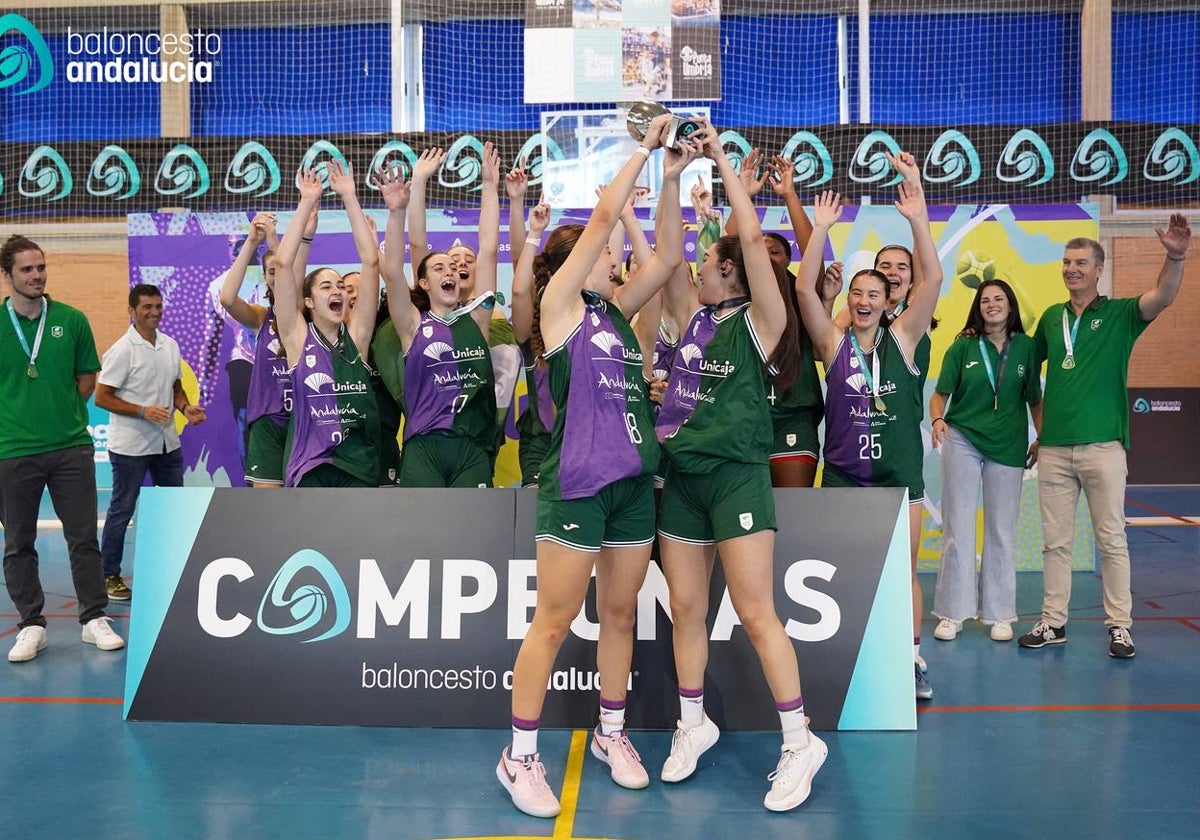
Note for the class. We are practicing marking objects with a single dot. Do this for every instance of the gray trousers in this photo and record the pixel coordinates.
(71, 476)
(991, 592)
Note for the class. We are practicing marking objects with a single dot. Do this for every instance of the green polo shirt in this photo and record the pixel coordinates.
(995, 424)
(45, 414)
(1088, 403)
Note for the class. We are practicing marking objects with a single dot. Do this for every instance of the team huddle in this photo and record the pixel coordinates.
(702, 380)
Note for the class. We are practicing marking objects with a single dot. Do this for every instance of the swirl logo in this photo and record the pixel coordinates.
(317, 158)
(114, 175)
(28, 58)
(463, 164)
(1100, 157)
(814, 164)
(253, 171)
(392, 154)
(1141, 406)
(1026, 160)
(535, 156)
(1174, 158)
(736, 148)
(182, 173)
(870, 164)
(952, 160)
(46, 175)
(308, 603)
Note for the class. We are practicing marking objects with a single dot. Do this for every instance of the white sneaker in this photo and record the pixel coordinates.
(99, 632)
(616, 751)
(791, 783)
(525, 780)
(687, 745)
(946, 630)
(30, 641)
(1002, 631)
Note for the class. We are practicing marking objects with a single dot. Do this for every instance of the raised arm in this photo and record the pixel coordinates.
(362, 327)
(653, 274)
(825, 334)
(1175, 240)
(783, 181)
(426, 167)
(396, 197)
(766, 305)
(288, 317)
(247, 314)
(489, 234)
(562, 306)
(522, 288)
(914, 321)
(516, 183)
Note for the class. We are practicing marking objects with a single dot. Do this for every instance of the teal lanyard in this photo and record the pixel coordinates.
(31, 371)
(871, 374)
(987, 365)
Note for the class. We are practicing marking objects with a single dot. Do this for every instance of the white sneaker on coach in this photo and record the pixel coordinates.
(525, 780)
(99, 632)
(30, 641)
(791, 783)
(687, 745)
(616, 751)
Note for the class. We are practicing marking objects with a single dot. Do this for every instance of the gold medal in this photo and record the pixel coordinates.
(31, 371)
(880, 406)
(1068, 363)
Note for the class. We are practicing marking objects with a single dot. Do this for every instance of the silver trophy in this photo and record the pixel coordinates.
(639, 115)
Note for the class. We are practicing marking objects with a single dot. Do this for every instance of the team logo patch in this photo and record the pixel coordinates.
(791, 440)
(56, 331)
(746, 520)
(1096, 322)
(427, 331)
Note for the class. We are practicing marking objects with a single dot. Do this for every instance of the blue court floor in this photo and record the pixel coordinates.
(1059, 743)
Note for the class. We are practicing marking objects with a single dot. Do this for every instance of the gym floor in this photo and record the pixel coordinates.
(1062, 742)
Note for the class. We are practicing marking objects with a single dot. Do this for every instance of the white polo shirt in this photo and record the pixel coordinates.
(143, 374)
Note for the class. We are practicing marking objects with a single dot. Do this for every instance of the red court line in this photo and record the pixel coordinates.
(1160, 512)
(1116, 707)
(99, 700)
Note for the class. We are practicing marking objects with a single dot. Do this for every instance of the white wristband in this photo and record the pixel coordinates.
(643, 151)
(535, 241)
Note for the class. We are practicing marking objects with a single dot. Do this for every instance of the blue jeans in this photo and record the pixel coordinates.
(128, 472)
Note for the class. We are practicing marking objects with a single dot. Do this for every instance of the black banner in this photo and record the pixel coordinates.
(407, 608)
(1060, 162)
(1162, 428)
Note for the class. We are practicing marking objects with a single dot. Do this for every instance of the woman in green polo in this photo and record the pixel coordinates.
(990, 374)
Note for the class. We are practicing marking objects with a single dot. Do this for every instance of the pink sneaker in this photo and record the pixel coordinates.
(616, 751)
(525, 780)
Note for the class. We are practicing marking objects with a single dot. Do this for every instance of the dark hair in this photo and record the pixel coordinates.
(418, 295)
(559, 245)
(974, 324)
(885, 320)
(310, 280)
(783, 367)
(1084, 242)
(140, 291)
(782, 240)
(14, 245)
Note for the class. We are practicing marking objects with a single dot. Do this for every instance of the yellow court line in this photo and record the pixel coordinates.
(564, 826)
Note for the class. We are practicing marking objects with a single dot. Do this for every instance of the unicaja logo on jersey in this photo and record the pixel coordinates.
(27, 59)
(308, 604)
